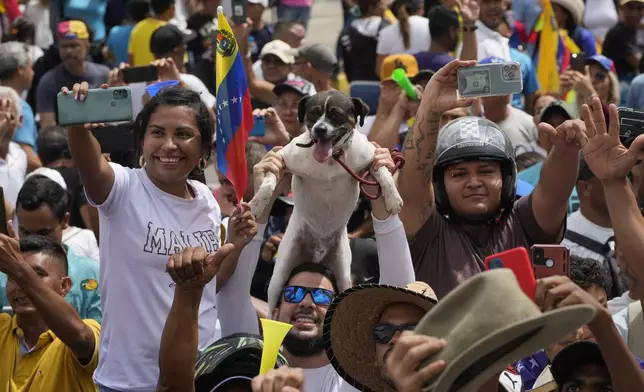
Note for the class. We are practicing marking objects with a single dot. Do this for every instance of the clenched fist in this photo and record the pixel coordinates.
(284, 379)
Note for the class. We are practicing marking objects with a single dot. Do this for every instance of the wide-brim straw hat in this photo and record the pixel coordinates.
(349, 324)
(489, 323)
(575, 7)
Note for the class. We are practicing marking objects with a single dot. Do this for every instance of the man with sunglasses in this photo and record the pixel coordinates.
(361, 356)
(310, 288)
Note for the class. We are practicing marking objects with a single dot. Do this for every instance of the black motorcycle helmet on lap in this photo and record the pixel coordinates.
(469, 139)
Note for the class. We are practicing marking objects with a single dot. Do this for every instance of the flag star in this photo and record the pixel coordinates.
(225, 104)
(234, 99)
(533, 363)
(219, 107)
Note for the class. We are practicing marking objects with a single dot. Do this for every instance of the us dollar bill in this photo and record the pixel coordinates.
(474, 82)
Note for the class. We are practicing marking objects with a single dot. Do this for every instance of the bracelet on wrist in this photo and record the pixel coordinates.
(470, 29)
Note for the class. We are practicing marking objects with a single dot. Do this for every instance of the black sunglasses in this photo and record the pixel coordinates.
(295, 295)
(383, 333)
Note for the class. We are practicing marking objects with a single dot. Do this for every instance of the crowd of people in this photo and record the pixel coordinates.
(126, 266)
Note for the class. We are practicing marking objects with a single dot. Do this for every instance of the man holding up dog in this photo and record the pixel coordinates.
(459, 188)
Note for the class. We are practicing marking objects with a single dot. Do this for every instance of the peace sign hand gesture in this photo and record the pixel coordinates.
(604, 153)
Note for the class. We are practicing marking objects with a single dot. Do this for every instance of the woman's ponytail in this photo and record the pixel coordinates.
(403, 10)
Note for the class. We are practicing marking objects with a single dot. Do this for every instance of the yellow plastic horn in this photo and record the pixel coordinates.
(274, 334)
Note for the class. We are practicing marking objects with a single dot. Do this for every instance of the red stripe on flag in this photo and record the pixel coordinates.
(236, 153)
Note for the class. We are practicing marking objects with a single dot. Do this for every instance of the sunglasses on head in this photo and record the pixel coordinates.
(383, 333)
(295, 295)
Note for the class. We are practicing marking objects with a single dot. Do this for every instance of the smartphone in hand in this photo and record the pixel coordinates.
(259, 129)
(239, 11)
(518, 261)
(578, 62)
(102, 105)
(486, 80)
(146, 73)
(550, 260)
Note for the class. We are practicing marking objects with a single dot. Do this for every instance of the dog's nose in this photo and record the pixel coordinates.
(321, 131)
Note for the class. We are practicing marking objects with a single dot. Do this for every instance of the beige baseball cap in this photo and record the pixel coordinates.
(280, 49)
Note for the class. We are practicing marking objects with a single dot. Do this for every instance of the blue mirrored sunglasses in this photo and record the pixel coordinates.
(295, 295)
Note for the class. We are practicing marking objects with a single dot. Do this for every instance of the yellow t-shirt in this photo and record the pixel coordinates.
(139, 45)
(49, 366)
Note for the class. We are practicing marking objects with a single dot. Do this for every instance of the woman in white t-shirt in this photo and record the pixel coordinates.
(146, 215)
(409, 35)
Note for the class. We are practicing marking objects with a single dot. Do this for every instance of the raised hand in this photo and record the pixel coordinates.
(441, 93)
(271, 246)
(559, 291)
(167, 69)
(8, 119)
(80, 91)
(242, 226)
(566, 136)
(115, 77)
(194, 267)
(469, 10)
(404, 361)
(604, 153)
(276, 134)
(10, 256)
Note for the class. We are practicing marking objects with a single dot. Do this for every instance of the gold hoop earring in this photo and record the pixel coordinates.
(202, 164)
(141, 161)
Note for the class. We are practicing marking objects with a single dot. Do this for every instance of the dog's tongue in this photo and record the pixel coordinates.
(322, 151)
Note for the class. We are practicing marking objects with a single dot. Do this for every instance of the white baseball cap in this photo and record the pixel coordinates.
(262, 2)
(52, 174)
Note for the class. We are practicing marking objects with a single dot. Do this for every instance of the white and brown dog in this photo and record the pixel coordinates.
(324, 193)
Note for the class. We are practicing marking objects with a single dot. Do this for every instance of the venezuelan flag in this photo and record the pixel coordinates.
(234, 111)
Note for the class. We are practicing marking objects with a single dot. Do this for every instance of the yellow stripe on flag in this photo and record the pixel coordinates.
(226, 47)
(547, 68)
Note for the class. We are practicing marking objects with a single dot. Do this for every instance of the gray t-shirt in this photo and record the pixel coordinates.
(59, 77)
(520, 128)
(445, 255)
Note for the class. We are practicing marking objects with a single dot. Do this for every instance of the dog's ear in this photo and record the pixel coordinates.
(360, 108)
(301, 108)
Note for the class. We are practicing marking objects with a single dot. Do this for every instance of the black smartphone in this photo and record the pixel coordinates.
(3, 214)
(239, 11)
(146, 73)
(578, 62)
(116, 138)
(631, 125)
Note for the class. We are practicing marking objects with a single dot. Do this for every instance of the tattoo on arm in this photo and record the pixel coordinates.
(423, 139)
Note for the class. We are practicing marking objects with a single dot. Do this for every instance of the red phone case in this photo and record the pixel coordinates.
(550, 260)
(518, 261)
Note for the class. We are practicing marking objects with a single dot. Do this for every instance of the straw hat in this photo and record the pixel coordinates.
(488, 323)
(575, 7)
(348, 329)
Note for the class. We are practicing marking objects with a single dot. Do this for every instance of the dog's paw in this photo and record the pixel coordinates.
(393, 203)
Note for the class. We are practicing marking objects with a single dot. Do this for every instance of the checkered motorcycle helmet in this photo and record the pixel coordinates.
(474, 138)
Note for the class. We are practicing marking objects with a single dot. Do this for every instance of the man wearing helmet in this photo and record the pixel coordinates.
(459, 188)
